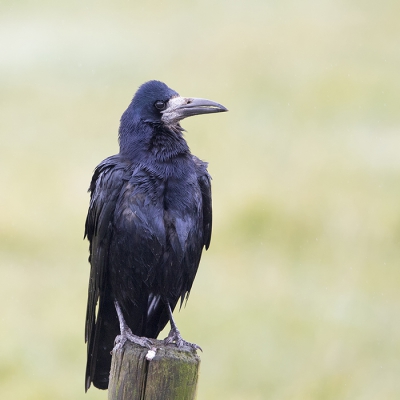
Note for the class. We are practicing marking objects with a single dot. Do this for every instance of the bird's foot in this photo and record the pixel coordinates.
(174, 337)
(127, 334)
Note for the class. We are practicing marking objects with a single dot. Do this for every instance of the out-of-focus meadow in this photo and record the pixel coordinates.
(299, 294)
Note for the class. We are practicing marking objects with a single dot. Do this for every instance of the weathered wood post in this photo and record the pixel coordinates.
(171, 374)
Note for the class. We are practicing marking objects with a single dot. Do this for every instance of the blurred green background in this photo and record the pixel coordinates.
(298, 296)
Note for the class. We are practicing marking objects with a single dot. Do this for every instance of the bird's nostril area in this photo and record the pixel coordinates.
(188, 101)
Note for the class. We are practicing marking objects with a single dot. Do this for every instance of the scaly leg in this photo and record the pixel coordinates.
(174, 335)
(126, 333)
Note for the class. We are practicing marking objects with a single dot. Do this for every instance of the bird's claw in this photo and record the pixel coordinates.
(128, 335)
(174, 337)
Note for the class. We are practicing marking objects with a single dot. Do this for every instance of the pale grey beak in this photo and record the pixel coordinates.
(179, 108)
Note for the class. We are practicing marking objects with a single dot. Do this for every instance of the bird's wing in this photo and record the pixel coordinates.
(188, 229)
(204, 180)
(205, 185)
(105, 188)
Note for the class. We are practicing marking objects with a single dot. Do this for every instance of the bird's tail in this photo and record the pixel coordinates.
(100, 345)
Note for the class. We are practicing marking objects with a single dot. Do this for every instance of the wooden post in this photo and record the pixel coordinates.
(171, 374)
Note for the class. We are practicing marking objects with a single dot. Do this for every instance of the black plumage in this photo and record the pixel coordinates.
(148, 221)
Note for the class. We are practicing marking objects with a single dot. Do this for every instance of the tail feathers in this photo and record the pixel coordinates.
(100, 345)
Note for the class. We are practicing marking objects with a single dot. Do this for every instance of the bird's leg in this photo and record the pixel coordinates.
(126, 333)
(174, 335)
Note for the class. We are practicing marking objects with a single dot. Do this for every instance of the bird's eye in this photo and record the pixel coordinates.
(160, 105)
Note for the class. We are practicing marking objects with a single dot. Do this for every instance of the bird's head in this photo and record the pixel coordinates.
(156, 103)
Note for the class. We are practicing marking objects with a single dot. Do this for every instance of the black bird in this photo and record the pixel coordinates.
(148, 221)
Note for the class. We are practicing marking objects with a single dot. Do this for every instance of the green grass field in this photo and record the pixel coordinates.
(298, 297)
